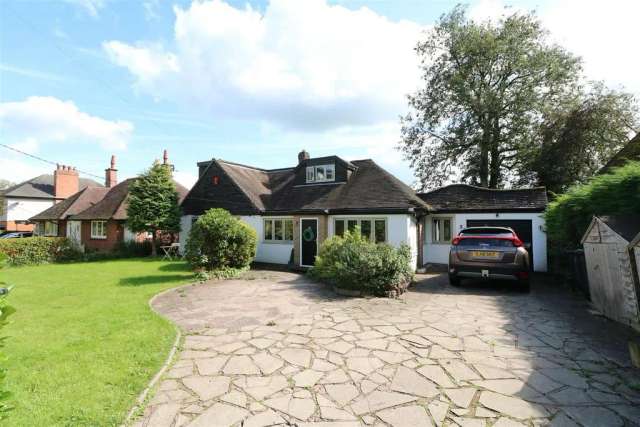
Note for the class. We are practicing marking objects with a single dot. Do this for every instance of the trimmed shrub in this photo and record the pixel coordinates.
(36, 250)
(568, 216)
(353, 262)
(219, 241)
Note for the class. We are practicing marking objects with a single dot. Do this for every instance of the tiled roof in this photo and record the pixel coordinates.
(368, 188)
(627, 226)
(41, 187)
(631, 151)
(468, 198)
(73, 205)
(114, 203)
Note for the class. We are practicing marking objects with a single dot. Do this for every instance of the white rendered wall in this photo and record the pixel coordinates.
(439, 253)
(20, 209)
(271, 252)
(185, 228)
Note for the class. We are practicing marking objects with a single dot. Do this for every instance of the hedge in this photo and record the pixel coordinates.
(36, 250)
(354, 262)
(568, 216)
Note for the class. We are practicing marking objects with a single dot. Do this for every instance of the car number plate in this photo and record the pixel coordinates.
(485, 254)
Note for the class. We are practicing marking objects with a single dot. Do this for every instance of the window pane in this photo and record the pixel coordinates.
(339, 231)
(365, 228)
(380, 231)
(268, 229)
(447, 229)
(288, 229)
(435, 230)
(329, 171)
(352, 224)
(310, 174)
(320, 176)
(278, 229)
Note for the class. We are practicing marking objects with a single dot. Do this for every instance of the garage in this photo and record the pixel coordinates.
(457, 206)
(522, 227)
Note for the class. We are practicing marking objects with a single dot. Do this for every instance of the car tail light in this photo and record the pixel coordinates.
(514, 239)
(522, 274)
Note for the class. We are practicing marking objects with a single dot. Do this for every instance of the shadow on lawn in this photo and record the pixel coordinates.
(176, 266)
(154, 280)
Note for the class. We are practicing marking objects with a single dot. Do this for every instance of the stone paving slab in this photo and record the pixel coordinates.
(277, 349)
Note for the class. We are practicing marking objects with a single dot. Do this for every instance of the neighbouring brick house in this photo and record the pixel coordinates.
(95, 218)
(20, 202)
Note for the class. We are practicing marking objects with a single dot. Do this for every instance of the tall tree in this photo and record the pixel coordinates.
(153, 203)
(578, 137)
(485, 86)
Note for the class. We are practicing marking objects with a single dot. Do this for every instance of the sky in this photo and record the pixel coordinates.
(247, 81)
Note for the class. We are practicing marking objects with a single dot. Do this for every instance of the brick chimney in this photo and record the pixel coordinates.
(302, 156)
(111, 174)
(65, 181)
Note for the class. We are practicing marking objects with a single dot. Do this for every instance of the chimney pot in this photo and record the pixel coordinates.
(65, 181)
(165, 157)
(302, 156)
(111, 174)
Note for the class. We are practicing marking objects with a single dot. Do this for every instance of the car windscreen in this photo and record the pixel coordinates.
(486, 242)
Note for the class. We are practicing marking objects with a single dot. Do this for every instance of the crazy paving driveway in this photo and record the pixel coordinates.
(276, 349)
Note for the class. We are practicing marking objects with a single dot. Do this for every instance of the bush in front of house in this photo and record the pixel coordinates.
(354, 262)
(219, 242)
(37, 250)
(568, 216)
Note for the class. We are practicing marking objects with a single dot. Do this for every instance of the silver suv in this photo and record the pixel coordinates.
(489, 253)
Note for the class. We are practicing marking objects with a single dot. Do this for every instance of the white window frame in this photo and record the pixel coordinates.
(437, 235)
(54, 227)
(273, 220)
(103, 229)
(372, 234)
(312, 173)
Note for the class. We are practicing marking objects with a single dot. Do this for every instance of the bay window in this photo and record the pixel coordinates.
(51, 228)
(321, 173)
(98, 229)
(278, 230)
(441, 230)
(374, 229)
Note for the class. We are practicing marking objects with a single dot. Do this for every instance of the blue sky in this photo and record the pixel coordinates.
(251, 82)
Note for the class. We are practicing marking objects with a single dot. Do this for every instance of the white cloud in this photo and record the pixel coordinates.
(302, 64)
(15, 170)
(92, 7)
(187, 179)
(604, 34)
(48, 119)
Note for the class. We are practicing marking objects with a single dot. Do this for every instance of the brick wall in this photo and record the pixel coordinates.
(115, 234)
(15, 226)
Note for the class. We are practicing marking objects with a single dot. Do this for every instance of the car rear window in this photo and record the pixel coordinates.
(496, 243)
(486, 230)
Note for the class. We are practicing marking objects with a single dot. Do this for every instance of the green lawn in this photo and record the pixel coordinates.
(83, 342)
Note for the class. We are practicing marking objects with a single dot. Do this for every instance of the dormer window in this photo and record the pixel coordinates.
(321, 173)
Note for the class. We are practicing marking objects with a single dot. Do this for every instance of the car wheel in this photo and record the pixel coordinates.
(454, 280)
(524, 286)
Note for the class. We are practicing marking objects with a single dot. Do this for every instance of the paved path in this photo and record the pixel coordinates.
(275, 349)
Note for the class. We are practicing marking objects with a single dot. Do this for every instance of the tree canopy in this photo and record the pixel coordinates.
(499, 97)
(153, 203)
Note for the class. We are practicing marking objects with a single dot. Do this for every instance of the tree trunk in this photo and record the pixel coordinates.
(494, 166)
(484, 157)
(494, 172)
(154, 249)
